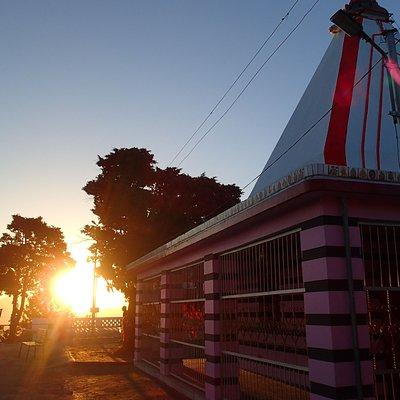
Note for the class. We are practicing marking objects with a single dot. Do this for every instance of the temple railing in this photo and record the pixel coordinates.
(107, 326)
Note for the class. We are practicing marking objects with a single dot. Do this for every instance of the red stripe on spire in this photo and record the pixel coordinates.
(366, 108)
(380, 112)
(335, 145)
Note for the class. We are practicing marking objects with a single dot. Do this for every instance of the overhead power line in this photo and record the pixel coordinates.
(397, 143)
(269, 37)
(297, 140)
(288, 149)
(303, 135)
(287, 37)
(307, 131)
(315, 124)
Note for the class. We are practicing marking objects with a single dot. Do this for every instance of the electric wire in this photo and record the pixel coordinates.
(308, 130)
(289, 148)
(397, 142)
(288, 36)
(222, 208)
(266, 41)
(300, 138)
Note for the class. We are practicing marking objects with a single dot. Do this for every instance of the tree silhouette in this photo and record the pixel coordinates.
(31, 252)
(140, 207)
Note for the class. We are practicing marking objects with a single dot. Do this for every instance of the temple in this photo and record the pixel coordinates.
(295, 292)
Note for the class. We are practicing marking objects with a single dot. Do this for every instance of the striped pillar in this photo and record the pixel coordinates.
(139, 291)
(212, 328)
(165, 325)
(327, 308)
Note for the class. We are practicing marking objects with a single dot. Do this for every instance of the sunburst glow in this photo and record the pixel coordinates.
(73, 290)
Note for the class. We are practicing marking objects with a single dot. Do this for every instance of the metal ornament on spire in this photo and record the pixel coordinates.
(367, 9)
(352, 26)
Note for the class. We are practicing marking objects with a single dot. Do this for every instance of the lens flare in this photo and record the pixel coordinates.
(73, 290)
(394, 70)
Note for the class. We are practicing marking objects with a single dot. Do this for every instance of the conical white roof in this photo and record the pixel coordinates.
(352, 82)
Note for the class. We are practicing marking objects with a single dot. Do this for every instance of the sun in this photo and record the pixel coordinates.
(73, 290)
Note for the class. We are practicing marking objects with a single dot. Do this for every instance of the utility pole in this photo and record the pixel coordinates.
(94, 309)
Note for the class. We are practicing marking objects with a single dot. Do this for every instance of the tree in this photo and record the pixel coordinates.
(31, 252)
(140, 207)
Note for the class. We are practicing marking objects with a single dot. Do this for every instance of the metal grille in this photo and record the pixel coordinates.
(272, 265)
(263, 322)
(187, 283)
(381, 256)
(151, 306)
(150, 316)
(187, 350)
(151, 290)
(256, 379)
(269, 327)
(188, 363)
(187, 304)
(187, 322)
(150, 349)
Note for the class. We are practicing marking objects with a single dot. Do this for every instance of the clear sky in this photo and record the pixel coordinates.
(80, 77)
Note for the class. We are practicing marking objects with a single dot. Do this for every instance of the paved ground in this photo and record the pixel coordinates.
(86, 371)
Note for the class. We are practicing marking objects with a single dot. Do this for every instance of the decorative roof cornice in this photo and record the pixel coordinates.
(305, 173)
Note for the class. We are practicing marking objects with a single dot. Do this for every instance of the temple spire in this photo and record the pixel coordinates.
(345, 117)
